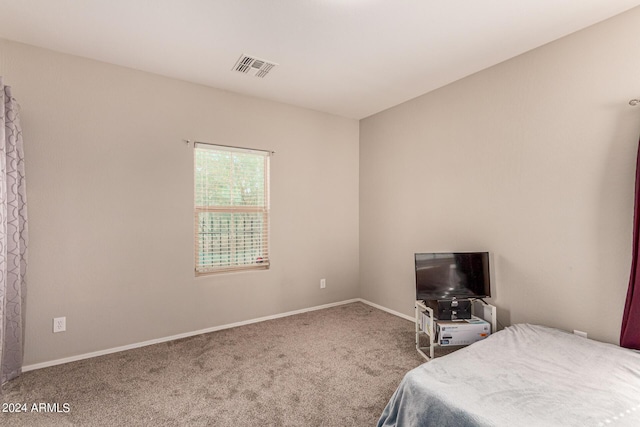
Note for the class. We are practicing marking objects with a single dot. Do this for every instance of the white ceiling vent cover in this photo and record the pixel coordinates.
(253, 66)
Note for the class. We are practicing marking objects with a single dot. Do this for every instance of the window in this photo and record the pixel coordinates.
(231, 209)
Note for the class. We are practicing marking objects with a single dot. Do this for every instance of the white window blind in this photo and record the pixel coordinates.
(231, 209)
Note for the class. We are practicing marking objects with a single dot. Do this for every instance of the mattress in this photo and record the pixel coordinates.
(525, 375)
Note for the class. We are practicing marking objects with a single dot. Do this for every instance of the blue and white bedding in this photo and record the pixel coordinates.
(525, 375)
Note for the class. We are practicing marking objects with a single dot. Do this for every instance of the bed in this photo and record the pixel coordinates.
(525, 375)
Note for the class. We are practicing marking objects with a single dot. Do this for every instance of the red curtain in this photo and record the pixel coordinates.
(630, 333)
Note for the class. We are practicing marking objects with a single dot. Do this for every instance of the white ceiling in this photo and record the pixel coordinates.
(352, 58)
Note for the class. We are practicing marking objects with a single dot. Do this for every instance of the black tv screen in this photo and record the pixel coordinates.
(441, 276)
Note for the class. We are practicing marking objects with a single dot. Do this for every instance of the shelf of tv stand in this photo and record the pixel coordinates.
(479, 308)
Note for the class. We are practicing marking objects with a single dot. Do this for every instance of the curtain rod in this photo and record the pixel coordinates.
(188, 141)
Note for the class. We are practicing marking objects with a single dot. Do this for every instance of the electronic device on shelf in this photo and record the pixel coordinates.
(458, 332)
(444, 276)
(462, 333)
(450, 309)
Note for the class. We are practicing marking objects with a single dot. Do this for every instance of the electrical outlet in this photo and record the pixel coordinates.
(323, 283)
(580, 333)
(59, 324)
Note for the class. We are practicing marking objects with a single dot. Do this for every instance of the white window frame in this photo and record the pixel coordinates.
(260, 263)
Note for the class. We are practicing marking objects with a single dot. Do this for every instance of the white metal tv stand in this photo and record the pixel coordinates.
(484, 311)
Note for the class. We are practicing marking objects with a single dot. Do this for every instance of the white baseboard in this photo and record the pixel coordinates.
(35, 366)
(388, 310)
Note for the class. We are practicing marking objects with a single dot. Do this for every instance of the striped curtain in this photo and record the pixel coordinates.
(13, 238)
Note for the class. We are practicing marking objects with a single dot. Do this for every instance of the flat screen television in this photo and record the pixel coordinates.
(441, 276)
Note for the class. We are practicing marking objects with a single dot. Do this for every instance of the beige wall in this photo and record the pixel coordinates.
(533, 160)
(110, 203)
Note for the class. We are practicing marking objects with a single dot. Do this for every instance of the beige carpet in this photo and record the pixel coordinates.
(332, 367)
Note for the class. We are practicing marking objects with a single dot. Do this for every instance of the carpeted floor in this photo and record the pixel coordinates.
(332, 367)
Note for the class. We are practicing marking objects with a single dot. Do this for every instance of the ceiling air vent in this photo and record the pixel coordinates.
(253, 66)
